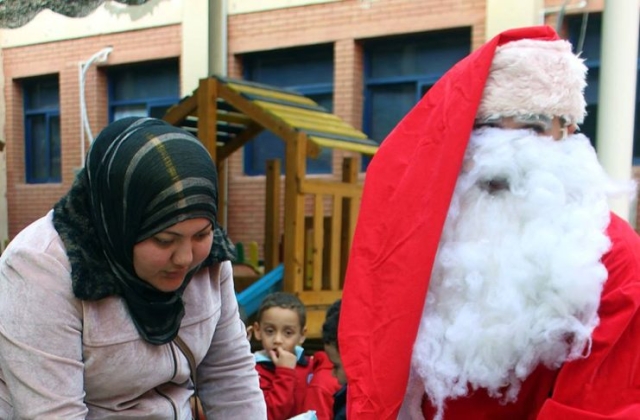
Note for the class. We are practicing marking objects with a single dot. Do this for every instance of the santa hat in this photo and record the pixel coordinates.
(407, 193)
(536, 77)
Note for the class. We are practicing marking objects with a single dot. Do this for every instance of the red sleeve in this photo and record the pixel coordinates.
(606, 384)
(322, 387)
(279, 391)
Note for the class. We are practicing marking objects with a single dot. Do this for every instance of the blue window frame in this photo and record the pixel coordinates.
(144, 89)
(591, 53)
(399, 70)
(306, 70)
(42, 130)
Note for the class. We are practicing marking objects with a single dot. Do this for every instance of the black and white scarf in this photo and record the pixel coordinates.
(142, 176)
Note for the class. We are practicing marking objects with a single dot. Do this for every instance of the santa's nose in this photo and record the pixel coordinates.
(494, 185)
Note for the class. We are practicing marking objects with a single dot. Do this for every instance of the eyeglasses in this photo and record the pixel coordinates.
(541, 124)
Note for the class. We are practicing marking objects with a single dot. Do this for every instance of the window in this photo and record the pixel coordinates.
(308, 71)
(400, 70)
(591, 52)
(144, 89)
(42, 130)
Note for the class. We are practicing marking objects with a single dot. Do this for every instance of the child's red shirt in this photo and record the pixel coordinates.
(289, 392)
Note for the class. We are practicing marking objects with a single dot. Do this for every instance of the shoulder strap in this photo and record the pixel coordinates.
(192, 366)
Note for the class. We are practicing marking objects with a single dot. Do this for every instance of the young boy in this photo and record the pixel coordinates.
(330, 341)
(292, 383)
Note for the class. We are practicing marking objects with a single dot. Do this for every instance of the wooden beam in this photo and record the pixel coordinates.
(351, 146)
(321, 126)
(233, 117)
(315, 320)
(177, 113)
(307, 114)
(240, 140)
(266, 119)
(319, 186)
(268, 93)
(323, 298)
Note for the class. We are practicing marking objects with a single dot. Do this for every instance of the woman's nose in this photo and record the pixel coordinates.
(183, 256)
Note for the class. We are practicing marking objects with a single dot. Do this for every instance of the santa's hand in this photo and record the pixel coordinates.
(283, 358)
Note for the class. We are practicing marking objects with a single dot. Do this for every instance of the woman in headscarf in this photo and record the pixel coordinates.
(108, 301)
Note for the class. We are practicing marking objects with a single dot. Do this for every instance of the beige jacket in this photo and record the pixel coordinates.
(63, 358)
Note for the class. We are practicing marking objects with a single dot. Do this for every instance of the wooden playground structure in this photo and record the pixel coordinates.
(319, 214)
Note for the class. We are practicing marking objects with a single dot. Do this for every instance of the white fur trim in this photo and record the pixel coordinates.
(535, 77)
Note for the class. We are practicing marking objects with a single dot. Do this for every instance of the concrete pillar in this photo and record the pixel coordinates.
(218, 37)
(617, 93)
(194, 63)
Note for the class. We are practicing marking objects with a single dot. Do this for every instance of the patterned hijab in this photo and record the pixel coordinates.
(142, 176)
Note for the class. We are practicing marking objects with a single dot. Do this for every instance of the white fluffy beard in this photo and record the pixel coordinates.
(517, 278)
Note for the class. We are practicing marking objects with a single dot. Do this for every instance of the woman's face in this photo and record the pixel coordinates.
(164, 259)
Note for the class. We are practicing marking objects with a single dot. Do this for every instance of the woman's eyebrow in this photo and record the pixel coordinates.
(170, 232)
(210, 225)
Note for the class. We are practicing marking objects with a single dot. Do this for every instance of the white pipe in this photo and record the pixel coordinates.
(617, 92)
(218, 65)
(223, 54)
(562, 8)
(556, 9)
(85, 127)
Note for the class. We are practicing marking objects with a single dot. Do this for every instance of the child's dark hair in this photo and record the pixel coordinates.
(330, 326)
(286, 301)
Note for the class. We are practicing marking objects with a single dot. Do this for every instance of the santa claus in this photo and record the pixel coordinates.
(488, 278)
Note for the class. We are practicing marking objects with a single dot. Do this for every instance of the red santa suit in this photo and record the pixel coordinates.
(406, 199)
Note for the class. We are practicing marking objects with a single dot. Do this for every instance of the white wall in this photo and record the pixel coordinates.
(109, 17)
(248, 6)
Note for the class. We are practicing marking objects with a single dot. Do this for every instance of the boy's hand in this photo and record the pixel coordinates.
(283, 358)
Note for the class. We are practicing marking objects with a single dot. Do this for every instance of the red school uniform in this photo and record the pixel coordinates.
(289, 392)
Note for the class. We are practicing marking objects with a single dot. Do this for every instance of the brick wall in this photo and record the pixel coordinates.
(27, 202)
(344, 24)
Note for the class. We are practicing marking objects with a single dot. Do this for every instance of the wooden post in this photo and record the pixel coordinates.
(223, 193)
(317, 242)
(295, 169)
(349, 212)
(272, 216)
(337, 229)
(207, 115)
(207, 100)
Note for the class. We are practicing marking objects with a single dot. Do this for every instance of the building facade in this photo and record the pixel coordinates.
(369, 61)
